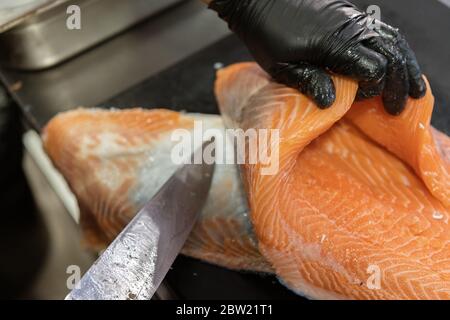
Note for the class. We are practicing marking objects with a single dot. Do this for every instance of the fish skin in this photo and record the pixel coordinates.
(115, 161)
(341, 202)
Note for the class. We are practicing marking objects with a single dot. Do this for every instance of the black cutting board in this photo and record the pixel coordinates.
(189, 86)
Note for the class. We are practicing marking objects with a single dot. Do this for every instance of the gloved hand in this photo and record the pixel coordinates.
(298, 41)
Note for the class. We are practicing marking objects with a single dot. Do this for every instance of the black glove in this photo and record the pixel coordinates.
(297, 41)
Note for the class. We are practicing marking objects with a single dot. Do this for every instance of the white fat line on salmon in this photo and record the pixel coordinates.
(231, 146)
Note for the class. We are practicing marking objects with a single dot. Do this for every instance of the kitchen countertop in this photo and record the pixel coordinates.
(13, 11)
(115, 65)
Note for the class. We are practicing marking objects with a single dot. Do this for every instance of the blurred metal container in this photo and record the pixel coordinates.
(41, 39)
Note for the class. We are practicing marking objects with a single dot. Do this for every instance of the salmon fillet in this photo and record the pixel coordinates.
(358, 208)
(342, 210)
(115, 161)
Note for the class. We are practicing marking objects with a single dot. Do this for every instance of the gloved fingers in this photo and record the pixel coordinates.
(360, 63)
(312, 81)
(365, 65)
(416, 83)
(417, 86)
(387, 32)
(396, 88)
(369, 89)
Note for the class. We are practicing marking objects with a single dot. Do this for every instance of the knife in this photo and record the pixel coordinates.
(136, 262)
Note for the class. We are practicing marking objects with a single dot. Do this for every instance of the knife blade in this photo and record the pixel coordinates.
(136, 262)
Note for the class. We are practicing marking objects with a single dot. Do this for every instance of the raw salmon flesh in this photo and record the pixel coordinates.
(358, 209)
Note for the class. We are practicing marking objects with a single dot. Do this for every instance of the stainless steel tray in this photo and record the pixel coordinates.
(43, 40)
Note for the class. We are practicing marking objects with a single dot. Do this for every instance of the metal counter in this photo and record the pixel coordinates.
(48, 36)
(116, 65)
